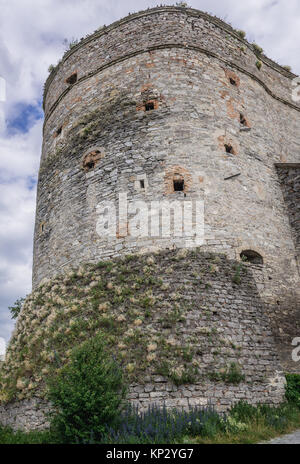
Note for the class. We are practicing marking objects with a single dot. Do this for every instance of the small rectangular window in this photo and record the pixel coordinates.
(178, 185)
(149, 106)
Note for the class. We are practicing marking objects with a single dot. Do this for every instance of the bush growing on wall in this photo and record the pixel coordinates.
(88, 393)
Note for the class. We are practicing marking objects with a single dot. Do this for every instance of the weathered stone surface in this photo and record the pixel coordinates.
(180, 101)
(25, 415)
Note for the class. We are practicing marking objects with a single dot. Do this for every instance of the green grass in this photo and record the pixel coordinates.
(262, 426)
(8, 437)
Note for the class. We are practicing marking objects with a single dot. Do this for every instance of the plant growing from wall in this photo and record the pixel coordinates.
(51, 68)
(15, 309)
(257, 49)
(231, 375)
(241, 33)
(237, 276)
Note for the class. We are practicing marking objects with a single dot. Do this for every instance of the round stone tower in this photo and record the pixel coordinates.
(165, 130)
(170, 105)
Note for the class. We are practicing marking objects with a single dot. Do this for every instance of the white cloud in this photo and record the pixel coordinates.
(31, 38)
(19, 158)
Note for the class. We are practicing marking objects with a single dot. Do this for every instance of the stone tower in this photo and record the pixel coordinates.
(172, 93)
(173, 105)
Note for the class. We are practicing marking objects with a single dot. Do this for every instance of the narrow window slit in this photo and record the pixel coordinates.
(178, 183)
(243, 120)
(58, 132)
(229, 149)
(232, 81)
(142, 183)
(149, 106)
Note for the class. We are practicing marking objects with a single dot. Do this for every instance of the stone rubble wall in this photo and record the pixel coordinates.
(221, 397)
(33, 414)
(26, 415)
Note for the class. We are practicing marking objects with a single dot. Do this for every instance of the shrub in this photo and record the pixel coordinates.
(258, 65)
(241, 33)
(292, 390)
(287, 68)
(15, 309)
(257, 48)
(234, 374)
(243, 411)
(88, 393)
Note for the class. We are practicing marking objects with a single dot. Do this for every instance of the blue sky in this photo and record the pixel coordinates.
(33, 34)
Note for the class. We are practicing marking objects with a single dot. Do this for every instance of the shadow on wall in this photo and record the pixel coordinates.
(285, 322)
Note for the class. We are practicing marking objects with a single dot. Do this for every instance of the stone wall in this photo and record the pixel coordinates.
(33, 414)
(285, 311)
(205, 314)
(219, 396)
(26, 415)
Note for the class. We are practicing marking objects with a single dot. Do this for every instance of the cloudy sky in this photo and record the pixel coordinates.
(33, 34)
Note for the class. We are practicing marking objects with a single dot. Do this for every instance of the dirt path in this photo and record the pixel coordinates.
(291, 439)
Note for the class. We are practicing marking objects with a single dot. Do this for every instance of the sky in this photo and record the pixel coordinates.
(33, 35)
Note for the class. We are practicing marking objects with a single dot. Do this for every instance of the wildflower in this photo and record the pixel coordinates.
(20, 384)
(171, 341)
(103, 307)
(152, 347)
(130, 367)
